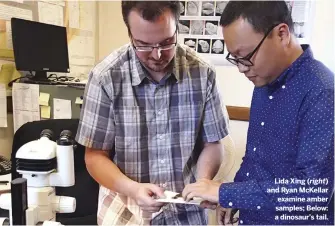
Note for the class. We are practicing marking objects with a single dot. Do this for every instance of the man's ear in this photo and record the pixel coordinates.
(284, 34)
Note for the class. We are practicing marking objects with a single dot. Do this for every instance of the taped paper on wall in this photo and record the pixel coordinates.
(62, 109)
(25, 104)
(45, 111)
(8, 73)
(300, 11)
(18, 1)
(80, 72)
(81, 51)
(87, 12)
(200, 30)
(44, 99)
(79, 101)
(74, 14)
(7, 12)
(50, 14)
(9, 35)
(56, 2)
(3, 106)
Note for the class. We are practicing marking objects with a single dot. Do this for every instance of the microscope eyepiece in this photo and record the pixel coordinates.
(65, 138)
(66, 134)
(47, 133)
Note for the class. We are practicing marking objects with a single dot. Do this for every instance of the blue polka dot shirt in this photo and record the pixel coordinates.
(290, 140)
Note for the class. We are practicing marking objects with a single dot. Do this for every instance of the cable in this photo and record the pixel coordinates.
(54, 77)
(28, 77)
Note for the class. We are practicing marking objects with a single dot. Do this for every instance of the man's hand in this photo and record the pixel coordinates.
(208, 205)
(225, 216)
(203, 188)
(144, 195)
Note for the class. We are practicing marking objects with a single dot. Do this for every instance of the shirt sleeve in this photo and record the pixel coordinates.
(314, 165)
(96, 125)
(215, 118)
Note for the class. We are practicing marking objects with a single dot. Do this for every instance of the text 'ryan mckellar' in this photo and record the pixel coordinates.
(308, 190)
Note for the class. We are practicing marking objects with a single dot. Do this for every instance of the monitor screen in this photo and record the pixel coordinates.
(39, 47)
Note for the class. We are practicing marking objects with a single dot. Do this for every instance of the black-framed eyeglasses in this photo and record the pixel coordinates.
(246, 61)
(161, 47)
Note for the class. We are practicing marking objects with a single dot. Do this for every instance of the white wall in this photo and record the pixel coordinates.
(323, 35)
(235, 89)
(112, 31)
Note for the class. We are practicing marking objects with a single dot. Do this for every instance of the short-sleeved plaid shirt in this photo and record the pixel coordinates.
(154, 131)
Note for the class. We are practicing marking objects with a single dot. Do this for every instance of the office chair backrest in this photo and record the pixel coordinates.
(85, 190)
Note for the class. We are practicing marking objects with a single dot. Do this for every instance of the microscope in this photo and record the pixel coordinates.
(44, 165)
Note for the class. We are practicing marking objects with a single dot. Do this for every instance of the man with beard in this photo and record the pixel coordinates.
(152, 120)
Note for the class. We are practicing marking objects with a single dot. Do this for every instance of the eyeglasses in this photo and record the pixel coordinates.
(161, 47)
(150, 48)
(246, 60)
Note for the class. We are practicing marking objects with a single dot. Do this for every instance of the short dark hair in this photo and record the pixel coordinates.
(150, 10)
(262, 15)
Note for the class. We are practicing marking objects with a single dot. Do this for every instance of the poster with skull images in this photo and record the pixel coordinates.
(200, 30)
(199, 26)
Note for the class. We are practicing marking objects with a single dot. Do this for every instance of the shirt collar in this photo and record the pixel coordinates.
(138, 72)
(136, 69)
(289, 72)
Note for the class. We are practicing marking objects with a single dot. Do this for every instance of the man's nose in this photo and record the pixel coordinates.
(242, 68)
(156, 53)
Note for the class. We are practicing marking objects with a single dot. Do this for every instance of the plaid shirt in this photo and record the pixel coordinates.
(154, 132)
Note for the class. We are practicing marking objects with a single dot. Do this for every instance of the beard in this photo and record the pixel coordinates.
(156, 66)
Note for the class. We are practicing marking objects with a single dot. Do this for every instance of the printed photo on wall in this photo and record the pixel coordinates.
(204, 45)
(299, 29)
(191, 42)
(208, 8)
(220, 5)
(197, 27)
(184, 27)
(192, 8)
(289, 5)
(182, 8)
(211, 27)
(217, 46)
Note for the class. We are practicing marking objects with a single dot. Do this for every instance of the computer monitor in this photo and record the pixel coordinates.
(39, 47)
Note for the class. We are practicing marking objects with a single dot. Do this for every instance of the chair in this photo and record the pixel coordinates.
(85, 190)
(226, 172)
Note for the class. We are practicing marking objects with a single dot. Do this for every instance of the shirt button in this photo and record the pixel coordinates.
(159, 112)
(247, 174)
(258, 207)
(262, 123)
(254, 149)
(283, 87)
(162, 161)
(161, 136)
(270, 97)
(230, 204)
(241, 221)
(164, 185)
